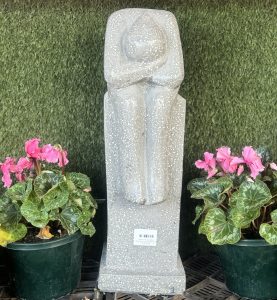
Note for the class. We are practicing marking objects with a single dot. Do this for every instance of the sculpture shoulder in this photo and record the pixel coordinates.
(133, 13)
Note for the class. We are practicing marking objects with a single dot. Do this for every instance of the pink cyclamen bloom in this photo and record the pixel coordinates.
(22, 164)
(273, 166)
(62, 158)
(224, 158)
(32, 149)
(240, 170)
(49, 154)
(208, 164)
(227, 162)
(253, 161)
(6, 170)
(235, 164)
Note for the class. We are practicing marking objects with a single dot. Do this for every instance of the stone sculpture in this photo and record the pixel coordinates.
(143, 69)
(144, 131)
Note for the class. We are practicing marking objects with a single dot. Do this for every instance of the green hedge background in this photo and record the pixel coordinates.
(52, 85)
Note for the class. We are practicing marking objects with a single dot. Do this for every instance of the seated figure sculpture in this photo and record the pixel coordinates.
(144, 70)
(144, 120)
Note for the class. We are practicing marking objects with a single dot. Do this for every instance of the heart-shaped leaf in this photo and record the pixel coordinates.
(69, 217)
(46, 181)
(252, 196)
(84, 223)
(56, 197)
(80, 180)
(212, 195)
(82, 199)
(197, 184)
(33, 211)
(10, 213)
(269, 233)
(12, 234)
(225, 182)
(219, 229)
(242, 219)
(20, 191)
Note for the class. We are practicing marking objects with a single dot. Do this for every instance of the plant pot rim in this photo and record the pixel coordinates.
(253, 243)
(45, 244)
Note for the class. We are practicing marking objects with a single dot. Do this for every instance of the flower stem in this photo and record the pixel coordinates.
(223, 206)
(37, 166)
(254, 225)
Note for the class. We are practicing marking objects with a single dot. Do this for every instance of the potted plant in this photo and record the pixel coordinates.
(44, 213)
(238, 213)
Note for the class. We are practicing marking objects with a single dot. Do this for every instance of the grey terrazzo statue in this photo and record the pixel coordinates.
(144, 136)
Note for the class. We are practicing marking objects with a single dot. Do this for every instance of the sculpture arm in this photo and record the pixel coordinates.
(128, 73)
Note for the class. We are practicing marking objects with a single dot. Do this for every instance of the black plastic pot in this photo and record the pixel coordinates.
(46, 270)
(250, 268)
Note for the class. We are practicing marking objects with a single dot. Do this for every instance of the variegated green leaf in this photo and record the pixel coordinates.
(84, 223)
(234, 199)
(269, 233)
(242, 219)
(20, 191)
(210, 192)
(201, 228)
(212, 195)
(82, 199)
(225, 182)
(87, 229)
(12, 234)
(198, 212)
(46, 181)
(219, 229)
(252, 195)
(80, 180)
(69, 217)
(56, 197)
(197, 184)
(33, 211)
(10, 213)
(274, 216)
(54, 214)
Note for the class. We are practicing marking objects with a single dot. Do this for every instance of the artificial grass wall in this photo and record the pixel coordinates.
(52, 85)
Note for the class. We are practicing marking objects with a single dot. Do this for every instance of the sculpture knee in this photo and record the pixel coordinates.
(128, 98)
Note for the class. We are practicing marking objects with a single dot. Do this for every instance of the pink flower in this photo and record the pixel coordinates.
(227, 162)
(22, 164)
(32, 149)
(234, 164)
(273, 166)
(253, 161)
(49, 154)
(240, 170)
(208, 164)
(62, 158)
(6, 170)
(20, 176)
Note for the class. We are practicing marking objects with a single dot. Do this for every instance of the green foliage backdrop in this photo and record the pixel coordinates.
(52, 85)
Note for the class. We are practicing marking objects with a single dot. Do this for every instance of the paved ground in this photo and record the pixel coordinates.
(204, 282)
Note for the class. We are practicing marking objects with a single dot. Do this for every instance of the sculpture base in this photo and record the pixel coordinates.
(133, 282)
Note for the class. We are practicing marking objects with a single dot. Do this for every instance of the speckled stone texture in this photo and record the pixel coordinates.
(144, 136)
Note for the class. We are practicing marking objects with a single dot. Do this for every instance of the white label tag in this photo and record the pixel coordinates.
(145, 237)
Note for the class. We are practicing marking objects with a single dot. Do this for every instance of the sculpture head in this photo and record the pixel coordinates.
(145, 41)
